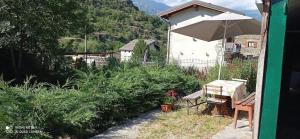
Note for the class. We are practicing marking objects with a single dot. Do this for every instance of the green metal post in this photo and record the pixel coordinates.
(273, 72)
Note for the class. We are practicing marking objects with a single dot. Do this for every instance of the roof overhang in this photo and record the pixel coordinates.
(260, 6)
(195, 4)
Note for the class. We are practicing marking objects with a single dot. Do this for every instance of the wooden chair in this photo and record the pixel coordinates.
(192, 100)
(247, 105)
(217, 100)
(240, 80)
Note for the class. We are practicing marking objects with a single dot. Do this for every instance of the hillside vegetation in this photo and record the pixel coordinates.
(113, 23)
(151, 7)
(35, 35)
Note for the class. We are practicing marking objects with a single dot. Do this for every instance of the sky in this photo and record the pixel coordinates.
(233, 4)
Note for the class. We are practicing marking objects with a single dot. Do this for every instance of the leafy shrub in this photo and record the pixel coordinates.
(92, 102)
(140, 89)
(53, 110)
(240, 69)
(139, 51)
(168, 100)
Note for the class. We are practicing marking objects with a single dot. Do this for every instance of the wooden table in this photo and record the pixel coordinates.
(234, 89)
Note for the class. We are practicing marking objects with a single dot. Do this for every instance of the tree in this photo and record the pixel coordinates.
(140, 51)
(158, 55)
(31, 26)
(119, 21)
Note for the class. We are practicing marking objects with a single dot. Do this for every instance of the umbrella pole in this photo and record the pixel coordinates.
(222, 49)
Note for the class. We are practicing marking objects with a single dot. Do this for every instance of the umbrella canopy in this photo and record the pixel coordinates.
(213, 28)
(221, 26)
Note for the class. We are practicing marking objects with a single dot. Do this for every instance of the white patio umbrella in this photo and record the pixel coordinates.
(220, 27)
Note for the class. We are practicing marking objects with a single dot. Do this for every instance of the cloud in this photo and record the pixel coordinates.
(232, 4)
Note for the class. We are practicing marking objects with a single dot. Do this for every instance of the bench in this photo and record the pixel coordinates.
(247, 105)
(192, 100)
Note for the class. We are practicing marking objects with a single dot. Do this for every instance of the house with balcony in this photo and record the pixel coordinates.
(250, 46)
(191, 52)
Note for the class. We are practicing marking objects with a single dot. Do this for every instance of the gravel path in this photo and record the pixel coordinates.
(130, 129)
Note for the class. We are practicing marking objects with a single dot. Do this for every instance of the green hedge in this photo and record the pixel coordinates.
(240, 69)
(92, 102)
(54, 111)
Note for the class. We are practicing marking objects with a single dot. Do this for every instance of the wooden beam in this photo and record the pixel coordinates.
(261, 67)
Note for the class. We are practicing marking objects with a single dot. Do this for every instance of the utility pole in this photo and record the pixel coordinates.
(85, 47)
(169, 41)
(85, 35)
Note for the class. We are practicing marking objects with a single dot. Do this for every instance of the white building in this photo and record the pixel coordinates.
(187, 51)
(127, 49)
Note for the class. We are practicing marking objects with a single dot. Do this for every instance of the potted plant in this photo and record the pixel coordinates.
(172, 93)
(169, 101)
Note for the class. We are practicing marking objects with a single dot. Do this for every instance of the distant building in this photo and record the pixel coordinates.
(97, 58)
(127, 49)
(250, 45)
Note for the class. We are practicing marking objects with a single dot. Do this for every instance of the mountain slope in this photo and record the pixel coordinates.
(116, 22)
(150, 6)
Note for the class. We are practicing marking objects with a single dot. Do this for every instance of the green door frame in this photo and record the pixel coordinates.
(273, 69)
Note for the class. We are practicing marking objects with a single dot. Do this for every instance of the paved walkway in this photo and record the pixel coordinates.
(242, 131)
(130, 129)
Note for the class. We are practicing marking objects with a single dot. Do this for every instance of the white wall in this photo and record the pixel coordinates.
(183, 47)
(125, 55)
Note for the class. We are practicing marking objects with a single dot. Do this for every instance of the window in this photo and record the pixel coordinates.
(252, 44)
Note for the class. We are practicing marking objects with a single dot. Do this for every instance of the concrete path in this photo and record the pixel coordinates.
(130, 129)
(242, 131)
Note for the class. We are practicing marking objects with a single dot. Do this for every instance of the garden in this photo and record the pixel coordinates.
(96, 99)
(90, 102)
(45, 95)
